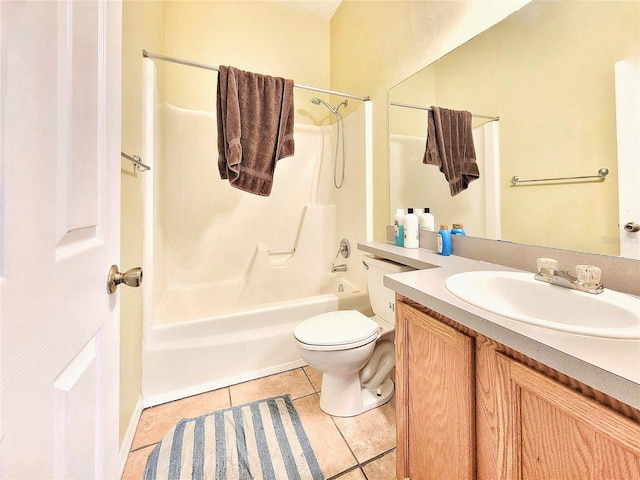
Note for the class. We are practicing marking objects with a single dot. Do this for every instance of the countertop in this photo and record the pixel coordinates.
(609, 365)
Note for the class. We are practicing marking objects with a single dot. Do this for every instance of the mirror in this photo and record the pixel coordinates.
(548, 72)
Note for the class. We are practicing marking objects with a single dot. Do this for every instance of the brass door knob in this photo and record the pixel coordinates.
(632, 227)
(131, 278)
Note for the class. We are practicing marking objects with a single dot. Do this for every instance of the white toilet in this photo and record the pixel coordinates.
(355, 353)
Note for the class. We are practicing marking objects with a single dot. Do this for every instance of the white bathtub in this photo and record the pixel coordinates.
(209, 352)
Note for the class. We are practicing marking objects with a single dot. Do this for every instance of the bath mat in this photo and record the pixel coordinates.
(263, 440)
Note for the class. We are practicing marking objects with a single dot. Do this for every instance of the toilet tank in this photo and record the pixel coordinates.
(383, 300)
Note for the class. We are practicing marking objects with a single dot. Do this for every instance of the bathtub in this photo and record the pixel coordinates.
(211, 351)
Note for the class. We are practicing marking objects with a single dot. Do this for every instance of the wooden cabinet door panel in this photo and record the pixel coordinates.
(437, 365)
(561, 434)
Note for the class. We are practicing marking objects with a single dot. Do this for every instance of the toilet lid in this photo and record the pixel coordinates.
(336, 328)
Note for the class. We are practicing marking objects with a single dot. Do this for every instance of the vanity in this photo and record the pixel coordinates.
(481, 396)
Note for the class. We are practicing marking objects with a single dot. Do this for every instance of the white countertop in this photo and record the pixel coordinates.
(609, 365)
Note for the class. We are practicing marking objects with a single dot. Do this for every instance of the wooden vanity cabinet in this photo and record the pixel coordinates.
(519, 420)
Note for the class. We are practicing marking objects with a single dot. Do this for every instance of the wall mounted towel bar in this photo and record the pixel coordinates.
(603, 172)
(137, 162)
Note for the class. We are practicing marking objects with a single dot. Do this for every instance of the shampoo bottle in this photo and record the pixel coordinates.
(411, 230)
(444, 240)
(398, 227)
(458, 229)
(427, 222)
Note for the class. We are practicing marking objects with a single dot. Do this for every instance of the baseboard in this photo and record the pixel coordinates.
(127, 441)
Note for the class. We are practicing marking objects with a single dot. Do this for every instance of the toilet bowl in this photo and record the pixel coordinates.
(355, 353)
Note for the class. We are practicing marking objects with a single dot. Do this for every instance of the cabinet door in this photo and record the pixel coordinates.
(558, 433)
(435, 383)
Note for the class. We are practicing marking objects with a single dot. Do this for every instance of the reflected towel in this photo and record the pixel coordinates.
(255, 127)
(450, 147)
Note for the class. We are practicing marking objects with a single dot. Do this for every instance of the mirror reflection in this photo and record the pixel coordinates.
(557, 76)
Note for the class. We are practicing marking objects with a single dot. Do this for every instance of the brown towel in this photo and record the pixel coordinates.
(255, 127)
(450, 147)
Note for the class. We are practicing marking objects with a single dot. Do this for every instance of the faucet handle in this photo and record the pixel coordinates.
(588, 274)
(547, 263)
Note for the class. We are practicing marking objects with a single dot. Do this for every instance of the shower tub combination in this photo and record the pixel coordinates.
(228, 275)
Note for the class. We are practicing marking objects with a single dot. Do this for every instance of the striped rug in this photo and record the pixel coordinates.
(262, 440)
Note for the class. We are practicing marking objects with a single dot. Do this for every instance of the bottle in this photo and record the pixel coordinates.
(411, 230)
(427, 222)
(398, 227)
(458, 229)
(444, 240)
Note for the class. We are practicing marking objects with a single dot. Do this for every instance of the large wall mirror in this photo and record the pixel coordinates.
(563, 79)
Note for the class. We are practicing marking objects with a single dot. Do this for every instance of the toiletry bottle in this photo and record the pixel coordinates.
(398, 227)
(411, 230)
(444, 240)
(427, 222)
(458, 229)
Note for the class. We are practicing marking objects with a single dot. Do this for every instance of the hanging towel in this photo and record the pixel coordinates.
(255, 127)
(450, 147)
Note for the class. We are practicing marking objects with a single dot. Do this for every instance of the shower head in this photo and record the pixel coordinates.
(318, 101)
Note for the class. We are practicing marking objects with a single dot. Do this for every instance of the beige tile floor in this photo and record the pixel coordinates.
(356, 448)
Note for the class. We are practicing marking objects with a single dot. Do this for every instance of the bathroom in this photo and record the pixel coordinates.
(334, 52)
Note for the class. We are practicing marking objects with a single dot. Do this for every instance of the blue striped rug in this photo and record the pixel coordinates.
(262, 440)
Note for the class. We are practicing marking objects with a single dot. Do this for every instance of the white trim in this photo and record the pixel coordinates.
(127, 441)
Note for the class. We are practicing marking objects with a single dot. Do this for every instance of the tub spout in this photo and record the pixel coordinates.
(338, 268)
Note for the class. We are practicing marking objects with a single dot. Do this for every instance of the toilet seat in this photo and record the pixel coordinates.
(339, 330)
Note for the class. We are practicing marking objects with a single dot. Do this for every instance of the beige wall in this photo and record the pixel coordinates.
(377, 44)
(255, 36)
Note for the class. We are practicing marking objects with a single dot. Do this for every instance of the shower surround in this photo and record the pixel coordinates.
(228, 275)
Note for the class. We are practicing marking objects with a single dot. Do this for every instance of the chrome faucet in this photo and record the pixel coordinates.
(338, 268)
(587, 277)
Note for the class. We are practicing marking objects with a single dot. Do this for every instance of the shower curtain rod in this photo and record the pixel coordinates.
(418, 107)
(155, 56)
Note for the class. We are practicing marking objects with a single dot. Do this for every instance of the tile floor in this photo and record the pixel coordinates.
(356, 448)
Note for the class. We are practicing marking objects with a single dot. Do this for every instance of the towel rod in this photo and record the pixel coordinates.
(189, 63)
(137, 162)
(420, 107)
(603, 172)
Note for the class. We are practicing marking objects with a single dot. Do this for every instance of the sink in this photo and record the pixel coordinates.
(517, 296)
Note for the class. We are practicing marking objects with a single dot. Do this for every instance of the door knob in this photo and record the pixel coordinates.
(131, 278)
(632, 227)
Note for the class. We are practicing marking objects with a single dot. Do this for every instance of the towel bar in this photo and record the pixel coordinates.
(137, 162)
(603, 172)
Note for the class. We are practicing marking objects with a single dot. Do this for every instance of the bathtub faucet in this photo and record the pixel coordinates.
(338, 268)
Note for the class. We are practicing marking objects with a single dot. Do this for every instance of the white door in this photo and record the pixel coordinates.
(59, 234)
(628, 128)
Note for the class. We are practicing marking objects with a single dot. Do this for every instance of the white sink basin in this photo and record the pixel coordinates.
(516, 295)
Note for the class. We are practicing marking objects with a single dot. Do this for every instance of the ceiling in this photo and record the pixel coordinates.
(323, 8)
